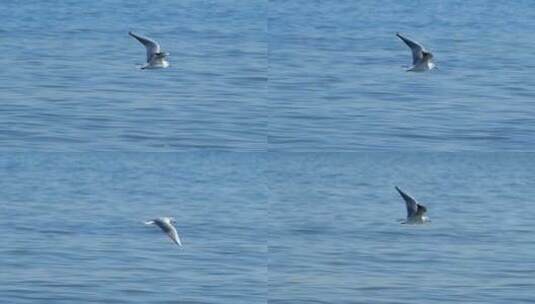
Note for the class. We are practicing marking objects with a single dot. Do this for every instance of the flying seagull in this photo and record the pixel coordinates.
(415, 211)
(421, 58)
(156, 59)
(166, 224)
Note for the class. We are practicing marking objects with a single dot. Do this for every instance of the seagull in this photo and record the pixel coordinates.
(421, 58)
(166, 224)
(156, 59)
(415, 211)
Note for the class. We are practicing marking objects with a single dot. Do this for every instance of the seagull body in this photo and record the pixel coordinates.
(156, 59)
(421, 58)
(166, 224)
(415, 211)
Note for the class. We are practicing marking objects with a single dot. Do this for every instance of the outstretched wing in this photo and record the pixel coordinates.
(416, 49)
(412, 205)
(173, 234)
(169, 229)
(152, 46)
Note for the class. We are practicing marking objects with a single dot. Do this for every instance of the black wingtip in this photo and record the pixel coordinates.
(403, 194)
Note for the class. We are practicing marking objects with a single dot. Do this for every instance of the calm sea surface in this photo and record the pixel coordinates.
(288, 227)
(332, 69)
(335, 235)
(336, 81)
(72, 228)
(69, 80)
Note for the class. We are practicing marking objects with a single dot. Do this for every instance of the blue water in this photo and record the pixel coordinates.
(289, 78)
(335, 235)
(69, 79)
(333, 72)
(283, 227)
(72, 231)
(336, 81)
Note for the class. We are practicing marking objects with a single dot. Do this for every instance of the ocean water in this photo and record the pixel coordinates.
(336, 81)
(72, 228)
(277, 227)
(70, 80)
(256, 75)
(305, 81)
(335, 235)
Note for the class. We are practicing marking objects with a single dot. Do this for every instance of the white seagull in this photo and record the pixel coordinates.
(156, 59)
(421, 58)
(415, 211)
(166, 224)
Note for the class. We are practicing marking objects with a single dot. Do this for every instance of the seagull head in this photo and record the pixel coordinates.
(421, 209)
(172, 220)
(162, 54)
(427, 55)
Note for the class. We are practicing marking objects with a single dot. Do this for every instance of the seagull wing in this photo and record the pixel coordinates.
(415, 47)
(412, 205)
(170, 230)
(151, 45)
(173, 234)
